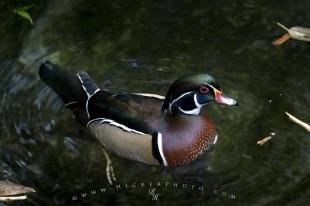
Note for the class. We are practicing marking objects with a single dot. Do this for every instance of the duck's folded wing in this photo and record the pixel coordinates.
(123, 124)
(130, 112)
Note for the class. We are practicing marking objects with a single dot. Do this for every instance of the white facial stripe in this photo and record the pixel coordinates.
(215, 89)
(178, 99)
(160, 148)
(112, 122)
(150, 95)
(195, 111)
(210, 85)
(196, 101)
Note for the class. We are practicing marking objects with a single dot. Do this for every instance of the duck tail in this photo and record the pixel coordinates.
(68, 87)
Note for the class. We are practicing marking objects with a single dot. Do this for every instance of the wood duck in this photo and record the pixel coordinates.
(149, 128)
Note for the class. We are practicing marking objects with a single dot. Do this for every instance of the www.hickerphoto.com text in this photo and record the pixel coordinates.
(155, 185)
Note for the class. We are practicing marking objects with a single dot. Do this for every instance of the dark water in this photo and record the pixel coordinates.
(142, 46)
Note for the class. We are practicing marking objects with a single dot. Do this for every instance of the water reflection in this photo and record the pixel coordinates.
(143, 47)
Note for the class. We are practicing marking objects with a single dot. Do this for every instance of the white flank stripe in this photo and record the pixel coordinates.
(113, 123)
(150, 95)
(160, 148)
(215, 139)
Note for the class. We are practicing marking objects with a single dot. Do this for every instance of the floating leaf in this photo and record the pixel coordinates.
(298, 121)
(296, 32)
(8, 188)
(22, 12)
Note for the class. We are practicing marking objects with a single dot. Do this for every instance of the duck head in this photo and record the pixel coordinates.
(189, 93)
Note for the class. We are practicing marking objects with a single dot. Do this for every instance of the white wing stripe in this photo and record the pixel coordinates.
(150, 95)
(112, 122)
(88, 95)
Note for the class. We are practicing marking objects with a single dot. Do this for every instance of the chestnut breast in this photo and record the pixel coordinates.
(185, 137)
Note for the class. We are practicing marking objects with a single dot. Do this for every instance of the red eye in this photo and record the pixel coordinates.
(204, 89)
